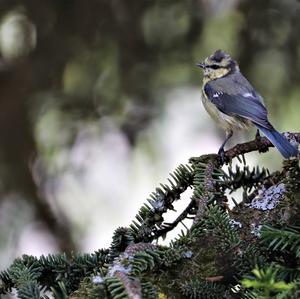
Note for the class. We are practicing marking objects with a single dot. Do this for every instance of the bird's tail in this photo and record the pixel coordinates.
(280, 142)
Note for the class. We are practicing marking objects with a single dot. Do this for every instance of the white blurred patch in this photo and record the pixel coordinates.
(36, 240)
(105, 182)
(17, 35)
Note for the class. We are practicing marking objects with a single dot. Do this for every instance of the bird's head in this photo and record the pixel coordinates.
(218, 65)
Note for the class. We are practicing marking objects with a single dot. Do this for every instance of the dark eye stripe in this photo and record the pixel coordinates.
(214, 66)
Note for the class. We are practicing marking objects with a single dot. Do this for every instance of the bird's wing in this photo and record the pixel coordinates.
(242, 102)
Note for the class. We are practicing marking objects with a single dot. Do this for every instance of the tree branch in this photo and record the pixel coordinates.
(262, 145)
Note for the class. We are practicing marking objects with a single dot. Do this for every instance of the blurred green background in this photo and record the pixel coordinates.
(99, 100)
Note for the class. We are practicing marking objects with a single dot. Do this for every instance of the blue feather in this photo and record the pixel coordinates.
(280, 142)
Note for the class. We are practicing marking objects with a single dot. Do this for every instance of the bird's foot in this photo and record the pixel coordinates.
(221, 154)
(257, 136)
(262, 148)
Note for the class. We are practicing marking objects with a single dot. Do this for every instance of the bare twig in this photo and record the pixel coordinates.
(261, 145)
(170, 226)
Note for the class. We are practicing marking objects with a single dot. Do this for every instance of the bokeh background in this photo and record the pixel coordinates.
(100, 100)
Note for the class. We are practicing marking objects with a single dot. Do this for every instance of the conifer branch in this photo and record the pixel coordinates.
(220, 249)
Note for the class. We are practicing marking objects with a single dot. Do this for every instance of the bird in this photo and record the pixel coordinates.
(234, 104)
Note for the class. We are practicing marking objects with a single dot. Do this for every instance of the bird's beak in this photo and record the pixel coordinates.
(201, 65)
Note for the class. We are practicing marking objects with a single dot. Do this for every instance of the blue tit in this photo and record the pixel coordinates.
(234, 104)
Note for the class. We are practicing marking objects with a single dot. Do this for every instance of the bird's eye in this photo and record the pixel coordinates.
(214, 66)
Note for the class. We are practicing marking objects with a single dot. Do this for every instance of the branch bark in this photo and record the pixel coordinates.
(262, 145)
